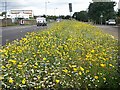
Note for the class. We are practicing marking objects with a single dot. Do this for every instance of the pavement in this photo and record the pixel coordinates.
(8, 34)
(110, 29)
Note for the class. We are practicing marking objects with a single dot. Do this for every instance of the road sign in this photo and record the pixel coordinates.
(70, 7)
(101, 15)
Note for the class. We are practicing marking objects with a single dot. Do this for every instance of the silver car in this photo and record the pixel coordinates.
(111, 22)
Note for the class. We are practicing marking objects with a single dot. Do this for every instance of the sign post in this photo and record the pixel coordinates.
(101, 16)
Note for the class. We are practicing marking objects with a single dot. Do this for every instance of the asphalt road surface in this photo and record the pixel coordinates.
(8, 34)
(112, 30)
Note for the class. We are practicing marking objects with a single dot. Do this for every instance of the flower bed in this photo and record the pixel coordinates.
(70, 54)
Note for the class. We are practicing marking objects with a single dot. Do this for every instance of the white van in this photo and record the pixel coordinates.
(41, 21)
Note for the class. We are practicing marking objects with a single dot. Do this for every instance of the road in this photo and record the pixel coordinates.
(112, 30)
(8, 34)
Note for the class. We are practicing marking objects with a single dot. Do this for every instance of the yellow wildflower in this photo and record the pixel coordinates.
(80, 73)
(47, 61)
(23, 81)
(69, 75)
(73, 66)
(82, 69)
(87, 71)
(44, 59)
(38, 77)
(96, 77)
(11, 80)
(110, 65)
(20, 66)
(104, 79)
(3, 67)
(57, 81)
(35, 66)
(75, 69)
(70, 66)
(26, 59)
(92, 51)
(102, 65)
(66, 71)
(13, 61)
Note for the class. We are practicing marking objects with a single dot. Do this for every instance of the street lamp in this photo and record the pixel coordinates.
(54, 10)
(46, 7)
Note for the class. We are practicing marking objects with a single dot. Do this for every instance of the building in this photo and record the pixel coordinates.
(19, 14)
(25, 14)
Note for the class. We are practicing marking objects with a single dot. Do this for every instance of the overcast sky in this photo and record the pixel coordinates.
(54, 7)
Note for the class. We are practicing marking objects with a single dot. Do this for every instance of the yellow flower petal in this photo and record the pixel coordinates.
(23, 81)
(57, 81)
(66, 71)
(82, 69)
(92, 51)
(80, 73)
(3, 67)
(96, 77)
(102, 65)
(75, 69)
(11, 80)
(44, 59)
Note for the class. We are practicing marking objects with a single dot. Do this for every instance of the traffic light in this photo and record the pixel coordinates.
(70, 7)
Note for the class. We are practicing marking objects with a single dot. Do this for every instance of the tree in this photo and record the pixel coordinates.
(119, 12)
(96, 9)
(3, 13)
(81, 16)
(67, 17)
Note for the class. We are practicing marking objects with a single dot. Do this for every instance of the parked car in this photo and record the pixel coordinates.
(41, 21)
(58, 19)
(21, 22)
(111, 22)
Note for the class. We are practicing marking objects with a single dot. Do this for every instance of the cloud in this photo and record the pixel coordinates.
(38, 6)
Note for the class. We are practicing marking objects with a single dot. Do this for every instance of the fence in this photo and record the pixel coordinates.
(5, 22)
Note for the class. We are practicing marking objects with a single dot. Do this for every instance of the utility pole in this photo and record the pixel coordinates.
(46, 8)
(5, 13)
(4, 5)
(55, 11)
(5, 9)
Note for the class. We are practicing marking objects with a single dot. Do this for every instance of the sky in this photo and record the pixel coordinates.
(49, 7)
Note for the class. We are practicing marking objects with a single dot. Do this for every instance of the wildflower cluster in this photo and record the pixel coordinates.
(70, 54)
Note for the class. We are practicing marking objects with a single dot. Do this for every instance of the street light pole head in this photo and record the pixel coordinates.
(48, 2)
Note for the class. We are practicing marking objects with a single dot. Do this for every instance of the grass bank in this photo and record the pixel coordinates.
(69, 54)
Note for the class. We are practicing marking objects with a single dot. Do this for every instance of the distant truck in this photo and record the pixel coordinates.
(41, 21)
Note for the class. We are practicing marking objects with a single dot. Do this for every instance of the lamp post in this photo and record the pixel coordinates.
(55, 10)
(46, 7)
